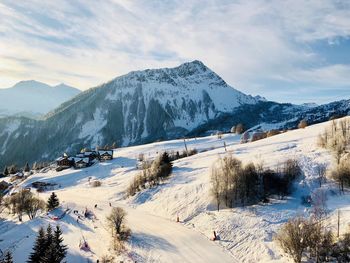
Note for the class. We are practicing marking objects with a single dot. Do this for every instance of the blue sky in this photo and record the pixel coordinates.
(288, 51)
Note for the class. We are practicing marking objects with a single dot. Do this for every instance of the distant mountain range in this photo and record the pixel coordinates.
(33, 99)
(145, 106)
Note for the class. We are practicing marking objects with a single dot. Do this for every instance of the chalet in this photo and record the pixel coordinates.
(81, 162)
(105, 155)
(65, 161)
(91, 155)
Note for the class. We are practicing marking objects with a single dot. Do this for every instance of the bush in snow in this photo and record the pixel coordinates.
(336, 138)
(295, 236)
(273, 133)
(239, 128)
(107, 259)
(310, 238)
(302, 124)
(152, 175)
(96, 183)
(341, 174)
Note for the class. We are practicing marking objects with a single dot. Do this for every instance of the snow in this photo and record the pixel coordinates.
(93, 127)
(246, 234)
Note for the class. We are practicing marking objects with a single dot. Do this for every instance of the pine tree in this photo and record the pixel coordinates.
(13, 169)
(39, 248)
(6, 171)
(27, 168)
(56, 251)
(53, 202)
(114, 145)
(8, 257)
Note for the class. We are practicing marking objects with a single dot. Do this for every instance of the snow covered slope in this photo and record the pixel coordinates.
(33, 98)
(246, 233)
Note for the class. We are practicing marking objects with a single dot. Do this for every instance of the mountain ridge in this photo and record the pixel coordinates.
(32, 98)
(146, 106)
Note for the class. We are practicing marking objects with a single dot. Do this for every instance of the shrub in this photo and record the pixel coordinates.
(239, 128)
(258, 136)
(158, 171)
(96, 183)
(292, 237)
(272, 133)
(302, 124)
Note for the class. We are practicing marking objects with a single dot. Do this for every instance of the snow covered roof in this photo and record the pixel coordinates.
(101, 152)
(77, 160)
(64, 157)
(88, 153)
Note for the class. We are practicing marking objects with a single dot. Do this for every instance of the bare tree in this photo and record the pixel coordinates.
(33, 206)
(321, 170)
(319, 204)
(216, 185)
(292, 238)
(116, 221)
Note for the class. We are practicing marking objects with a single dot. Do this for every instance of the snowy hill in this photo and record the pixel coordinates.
(33, 98)
(246, 233)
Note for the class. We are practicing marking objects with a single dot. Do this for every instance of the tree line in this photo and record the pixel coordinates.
(152, 174)
(336, 139)
(234, 184)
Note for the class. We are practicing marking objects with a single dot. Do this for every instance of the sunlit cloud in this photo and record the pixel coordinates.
(259, 47)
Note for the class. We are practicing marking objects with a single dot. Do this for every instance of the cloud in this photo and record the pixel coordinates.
(260, 47)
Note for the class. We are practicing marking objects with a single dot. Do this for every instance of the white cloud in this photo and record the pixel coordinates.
(246, 42)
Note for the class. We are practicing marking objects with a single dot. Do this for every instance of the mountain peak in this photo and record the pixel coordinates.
(30, 84)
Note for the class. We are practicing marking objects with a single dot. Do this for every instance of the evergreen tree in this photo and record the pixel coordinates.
(27, 168)
(39, 248)
(8, 257)
(53, 202)
(56, 252)
(114, 145)
(48, 238)
(6, 171)
(13, 169)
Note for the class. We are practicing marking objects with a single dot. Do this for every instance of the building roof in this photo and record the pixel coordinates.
(79, 160)
(101, 152)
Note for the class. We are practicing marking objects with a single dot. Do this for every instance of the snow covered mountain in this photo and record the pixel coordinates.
(32, 98)
(146, 106)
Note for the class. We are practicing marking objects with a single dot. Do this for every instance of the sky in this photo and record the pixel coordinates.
(288, 51)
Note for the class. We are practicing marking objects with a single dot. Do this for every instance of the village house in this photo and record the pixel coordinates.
(65, 161)
(81, 162)
(105, 155)
(91, 155)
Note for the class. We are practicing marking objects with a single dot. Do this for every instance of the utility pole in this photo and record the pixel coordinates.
(186, 147)
(338, 223)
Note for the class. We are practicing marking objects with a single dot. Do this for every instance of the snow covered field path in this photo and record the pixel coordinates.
(165, 240)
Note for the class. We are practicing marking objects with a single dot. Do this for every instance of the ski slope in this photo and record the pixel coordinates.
(246, 234)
